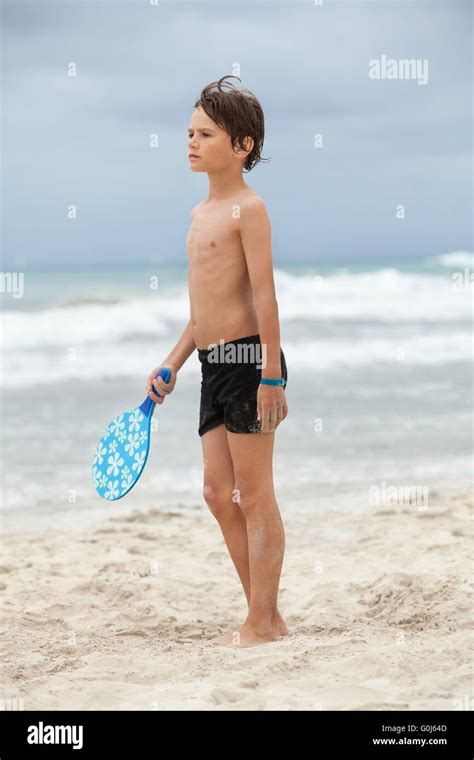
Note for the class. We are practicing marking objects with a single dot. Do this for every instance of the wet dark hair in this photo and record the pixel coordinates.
(239, 113)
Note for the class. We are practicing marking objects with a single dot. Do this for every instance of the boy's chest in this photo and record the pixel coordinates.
(211, 234)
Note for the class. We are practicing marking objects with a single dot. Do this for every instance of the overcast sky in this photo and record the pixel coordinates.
(84, 140)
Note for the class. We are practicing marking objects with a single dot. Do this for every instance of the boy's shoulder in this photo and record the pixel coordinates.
(195, 208)
(252, 200)
(253, 209)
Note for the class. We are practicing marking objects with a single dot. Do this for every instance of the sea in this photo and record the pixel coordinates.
(380, 379)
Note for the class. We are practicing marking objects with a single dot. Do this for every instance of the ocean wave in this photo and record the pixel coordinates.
(75, 326)
(402, 350)
(454, 259)
(384, 295)
(113, 362)
(87, 300)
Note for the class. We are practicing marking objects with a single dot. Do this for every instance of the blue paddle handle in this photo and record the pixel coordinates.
(148, 405)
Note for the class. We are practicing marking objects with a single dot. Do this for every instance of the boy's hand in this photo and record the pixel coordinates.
(158, 384)
(271, 407)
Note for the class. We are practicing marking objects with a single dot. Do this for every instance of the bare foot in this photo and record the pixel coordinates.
(279, 626)
(245, 636)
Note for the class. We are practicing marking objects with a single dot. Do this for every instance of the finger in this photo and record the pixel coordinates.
(157, 385)
(155, 398)
(272, 418)
(267, 421)
(276, 416)
(266, 418)
(166, 387)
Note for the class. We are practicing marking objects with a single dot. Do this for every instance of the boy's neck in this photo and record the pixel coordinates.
(225, 185)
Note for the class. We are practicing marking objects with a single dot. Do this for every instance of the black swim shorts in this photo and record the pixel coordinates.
(231, 374)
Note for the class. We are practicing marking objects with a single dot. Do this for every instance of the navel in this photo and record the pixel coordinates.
(213, 245)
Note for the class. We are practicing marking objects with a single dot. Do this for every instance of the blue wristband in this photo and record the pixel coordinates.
(271, 381)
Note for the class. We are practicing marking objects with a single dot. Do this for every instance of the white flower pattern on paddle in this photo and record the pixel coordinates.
(112, 493)
(133, 443)
(139, 461)
(134, 420)
(115, 462)
(121, 454)
(100, 453)
(117, 425)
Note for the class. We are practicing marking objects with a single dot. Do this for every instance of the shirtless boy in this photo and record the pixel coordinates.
(233, 306)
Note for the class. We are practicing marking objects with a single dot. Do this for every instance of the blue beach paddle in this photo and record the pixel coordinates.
(121, 454)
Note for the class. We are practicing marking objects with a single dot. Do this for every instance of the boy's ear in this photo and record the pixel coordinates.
(248, 143)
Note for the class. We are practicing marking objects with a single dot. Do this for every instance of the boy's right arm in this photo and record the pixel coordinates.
(174, 361)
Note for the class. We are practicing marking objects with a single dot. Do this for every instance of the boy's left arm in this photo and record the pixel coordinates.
(255, 234)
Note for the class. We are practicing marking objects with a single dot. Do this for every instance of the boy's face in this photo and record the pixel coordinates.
(210, 144)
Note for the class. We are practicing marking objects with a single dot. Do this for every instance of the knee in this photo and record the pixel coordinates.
(249, 503)
(253, 497)
(218, 498)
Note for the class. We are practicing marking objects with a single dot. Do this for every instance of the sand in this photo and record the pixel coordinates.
(121, 616)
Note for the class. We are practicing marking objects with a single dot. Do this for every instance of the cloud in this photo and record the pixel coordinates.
(140, 69)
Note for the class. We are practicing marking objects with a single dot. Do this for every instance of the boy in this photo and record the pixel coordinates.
(232, 294)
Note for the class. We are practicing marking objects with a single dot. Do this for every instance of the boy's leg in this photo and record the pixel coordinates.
(252, 455)
(218, 492)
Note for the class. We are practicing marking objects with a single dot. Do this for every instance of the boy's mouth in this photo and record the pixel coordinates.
(193, 155)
